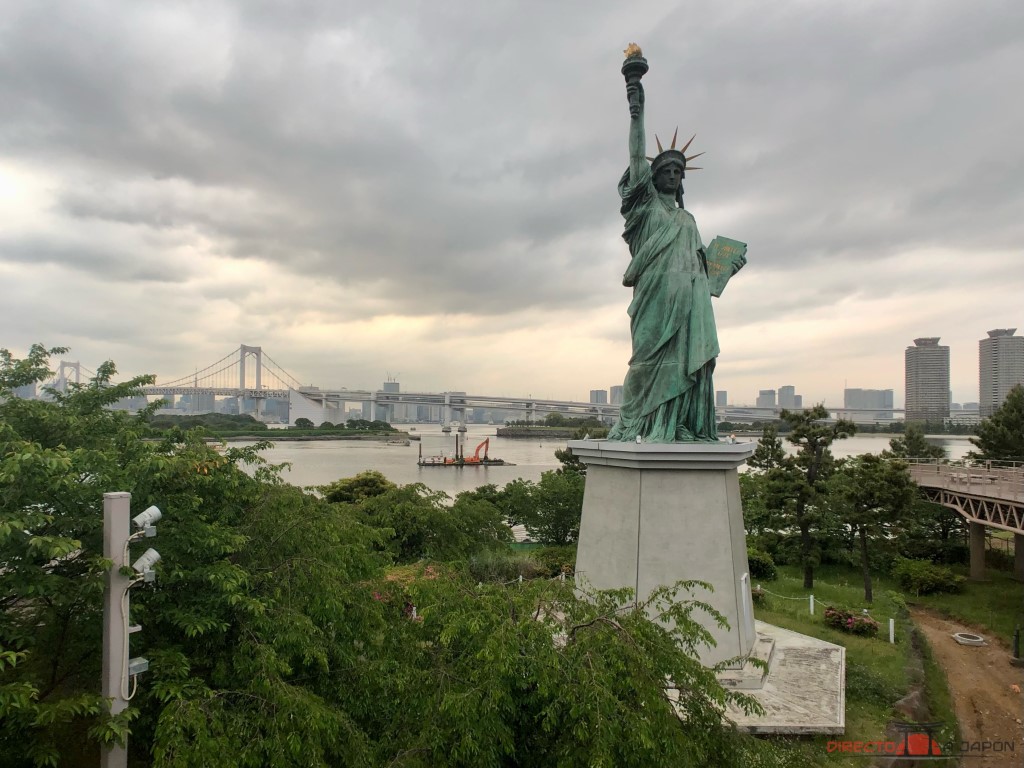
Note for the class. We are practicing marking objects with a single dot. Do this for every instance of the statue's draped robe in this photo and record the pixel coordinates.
(668, 395)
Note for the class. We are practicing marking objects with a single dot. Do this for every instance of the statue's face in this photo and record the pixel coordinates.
(668, 178)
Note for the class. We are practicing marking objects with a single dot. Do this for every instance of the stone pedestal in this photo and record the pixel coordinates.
(655, 514)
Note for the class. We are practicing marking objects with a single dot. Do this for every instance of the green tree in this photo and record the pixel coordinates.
(258, 587)
(527, 670)
(278, 636)
(913, 445)
(570, 462)
(554, 420)
(769, 453)
(797, 487)
(416, 523)
(304, 423)
(873, 494)
(1001, 435)
(550, 509)
(351, 490)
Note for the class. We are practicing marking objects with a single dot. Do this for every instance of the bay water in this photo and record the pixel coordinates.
(319, 462)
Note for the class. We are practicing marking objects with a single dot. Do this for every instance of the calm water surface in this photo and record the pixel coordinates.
(321, 462)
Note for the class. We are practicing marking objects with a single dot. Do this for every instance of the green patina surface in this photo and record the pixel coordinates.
(668, 394)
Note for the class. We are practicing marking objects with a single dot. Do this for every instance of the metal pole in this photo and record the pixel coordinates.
(892, 630)
(116, 514)
(812, 605)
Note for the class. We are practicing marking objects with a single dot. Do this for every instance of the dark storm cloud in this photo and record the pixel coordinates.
(465, 155)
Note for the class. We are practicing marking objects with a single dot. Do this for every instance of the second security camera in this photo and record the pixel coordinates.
(147, 517)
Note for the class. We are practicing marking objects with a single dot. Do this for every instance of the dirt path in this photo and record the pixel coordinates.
(980, 680)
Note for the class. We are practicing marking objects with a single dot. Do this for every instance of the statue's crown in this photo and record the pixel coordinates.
(674, 155)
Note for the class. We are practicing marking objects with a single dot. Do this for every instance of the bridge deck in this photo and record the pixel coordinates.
(985, 494)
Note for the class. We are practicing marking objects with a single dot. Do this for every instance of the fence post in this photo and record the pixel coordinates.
(892, 630)
(812, 605)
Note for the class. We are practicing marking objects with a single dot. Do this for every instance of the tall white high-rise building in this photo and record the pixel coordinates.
(615, 394)
(927, 380)
(787, 396)
(1000, 368)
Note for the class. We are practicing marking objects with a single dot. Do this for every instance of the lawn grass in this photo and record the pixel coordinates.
(877, 671)
(994, 606)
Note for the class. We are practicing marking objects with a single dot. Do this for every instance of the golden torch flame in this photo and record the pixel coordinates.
(633, 50)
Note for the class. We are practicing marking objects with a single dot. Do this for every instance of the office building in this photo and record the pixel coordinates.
(599, 396)
(615, 394)
(721, 398)
(765, 398)
(787, 397)
(926, 374)
(873, 403)
(1000, 368)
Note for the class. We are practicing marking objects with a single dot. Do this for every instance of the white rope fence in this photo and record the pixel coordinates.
(810, 605)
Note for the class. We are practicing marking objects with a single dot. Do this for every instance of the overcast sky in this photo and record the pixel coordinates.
(429, 189)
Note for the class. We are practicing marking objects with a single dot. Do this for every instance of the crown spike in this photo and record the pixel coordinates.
(683, 150)
(691, 157)
(674, 135)
(694, 168)
(650, 158)
(658, 142)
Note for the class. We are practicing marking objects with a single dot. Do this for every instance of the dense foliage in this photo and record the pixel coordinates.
(913, 445)
(872, 495)
(215, 422)
(794, 491)
(281, 633)
(761, 565)
(1001, 436)
(921, 577)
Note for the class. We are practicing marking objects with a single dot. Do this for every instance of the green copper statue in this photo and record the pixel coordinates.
(668, 394)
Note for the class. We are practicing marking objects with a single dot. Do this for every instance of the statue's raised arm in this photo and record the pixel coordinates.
(634, 68)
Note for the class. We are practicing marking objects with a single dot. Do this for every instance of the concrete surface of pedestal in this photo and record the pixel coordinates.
(655, 514)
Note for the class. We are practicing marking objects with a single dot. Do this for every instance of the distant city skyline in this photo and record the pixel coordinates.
(364, 189)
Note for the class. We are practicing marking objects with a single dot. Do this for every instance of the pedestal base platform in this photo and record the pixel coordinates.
(804, 690)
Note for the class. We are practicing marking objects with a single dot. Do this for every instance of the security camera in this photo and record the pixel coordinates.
(147, 518)
(145, 563)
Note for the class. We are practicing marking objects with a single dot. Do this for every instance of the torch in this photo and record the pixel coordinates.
(633, 68)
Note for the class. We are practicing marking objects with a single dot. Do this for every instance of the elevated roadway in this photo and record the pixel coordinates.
(987, 495)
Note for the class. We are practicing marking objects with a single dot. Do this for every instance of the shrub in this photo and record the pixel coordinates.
(501, 567)
(761, 565)
(999, 559)
(846, 620)
(948, 552)
(556, 559)
(924, 578)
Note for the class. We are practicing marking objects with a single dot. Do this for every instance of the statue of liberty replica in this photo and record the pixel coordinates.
(662, 502)
(668, 394)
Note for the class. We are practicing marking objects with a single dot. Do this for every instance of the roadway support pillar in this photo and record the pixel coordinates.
(977, 551)
(1018, 556)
